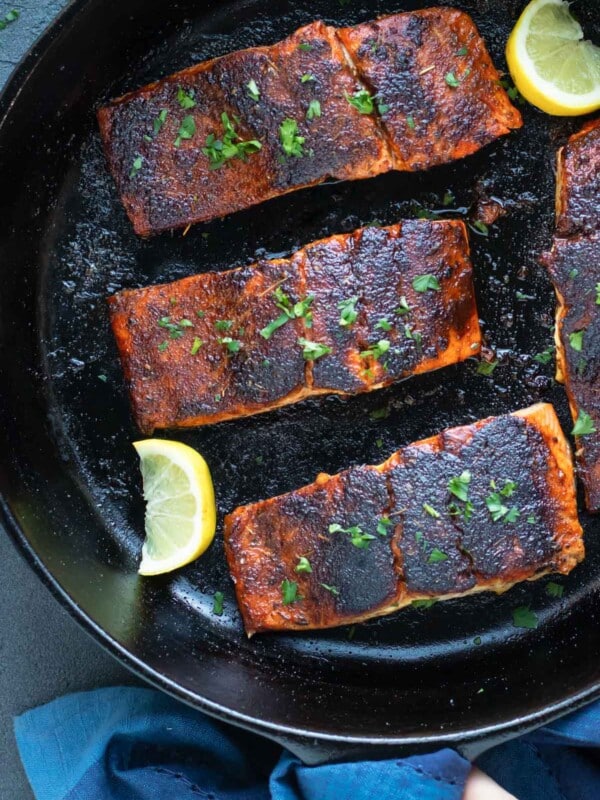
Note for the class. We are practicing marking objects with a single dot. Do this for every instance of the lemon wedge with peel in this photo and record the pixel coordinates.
(181, 514)
(551, 64)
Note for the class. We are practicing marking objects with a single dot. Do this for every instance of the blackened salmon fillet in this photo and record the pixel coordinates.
(405, 92)
(475, 508)
(347, 314)
(574, 267)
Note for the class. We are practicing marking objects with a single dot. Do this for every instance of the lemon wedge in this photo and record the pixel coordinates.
(181, 514)
(551, 64)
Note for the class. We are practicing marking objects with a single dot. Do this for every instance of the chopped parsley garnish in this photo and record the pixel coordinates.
(313, 350)
(305, 47)
(459, 486)
(233, 345)
(531, 519)
(523, 298)
(423, 603)
(424, 283)
(303, 565)
(524, 617)
(451, 80)
(383, 525)
(185, 99)
(175, 329)
(12, 16)
(299, 310)
(480, 227)
(437, 556)
(289, 592)
(196, 346)
(477, 641)
(348, 312)
(200, 314)
(223, 324)
(230, 146)
(403, 307)
(448, 199)
(364, 102)
(379, 445)
(554, 589)
(545, 357)
(576, 340)
(431, 511)
(495, 504)
(357, 536)
(136, 166)
(253, 90)
(313, 110)
(103, 378)
(410, 121)
(380, 413)
(384, 325)
(218, 599)
(584, 425)
(414, 335)
(513, 515)
(291, 141)
(486, 367)
(598, 294)
(159, 121)
(331, 589)
(462, 52)
(307, 77)
(186, 130)
(163, 346)
(376, 350)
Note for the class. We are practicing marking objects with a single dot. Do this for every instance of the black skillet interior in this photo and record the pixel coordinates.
(69, 475)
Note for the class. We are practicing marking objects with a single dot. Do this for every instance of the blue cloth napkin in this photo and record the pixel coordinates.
(139, 744)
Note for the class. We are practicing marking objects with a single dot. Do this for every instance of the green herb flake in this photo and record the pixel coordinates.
(331, 589)
(437, 556)
(348, 312)
(384, 325)
(187, 129)
(531, 519)
(462, 52)
(305, 47)
(448, 199)
(103, 378)
(136, 167)
(546, 356)
(163, 346)
(598, 294)
(554, 589)
(451, 80)
(379, 443)
(576, 340)
(424, 283)
(523, 298)
(218, 599)
(253, 90)
(584, 425)
(274, 325)
(480, 227)
(362, 100)
(358, 537)
(307, 77)
(232, 345)
(313, 110)
(12, 16)
(291, 141)
(185, 99)
(431, 511)
(311, 351)
(423, 603)
(524, 617)
(384, 524)
(196, 346)
(459, 486)
(289, 592)
(487, 367)
(223, 324)
(219, 151)
(403, 307)
(512, 515)
(376, 350)
(477, 641)
(380, 413)
(410, 121)
(159, 121)
(303, 565)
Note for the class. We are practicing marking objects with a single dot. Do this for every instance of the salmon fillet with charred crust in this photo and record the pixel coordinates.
(475, 508)
(347, 314)
(406, 92)
(574, 267)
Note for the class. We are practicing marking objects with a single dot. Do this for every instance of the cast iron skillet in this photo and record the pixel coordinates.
(459, 672)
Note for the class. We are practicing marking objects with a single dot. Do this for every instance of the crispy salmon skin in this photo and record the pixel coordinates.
(235, 131)
(344, 315)
(475, 508)
(574, 267)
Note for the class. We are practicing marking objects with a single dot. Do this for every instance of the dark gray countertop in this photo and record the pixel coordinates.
(43, 652)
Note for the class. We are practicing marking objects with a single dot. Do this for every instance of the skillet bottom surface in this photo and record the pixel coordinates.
(71, 480)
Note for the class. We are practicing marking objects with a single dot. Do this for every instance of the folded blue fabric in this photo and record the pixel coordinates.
(139, 744)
